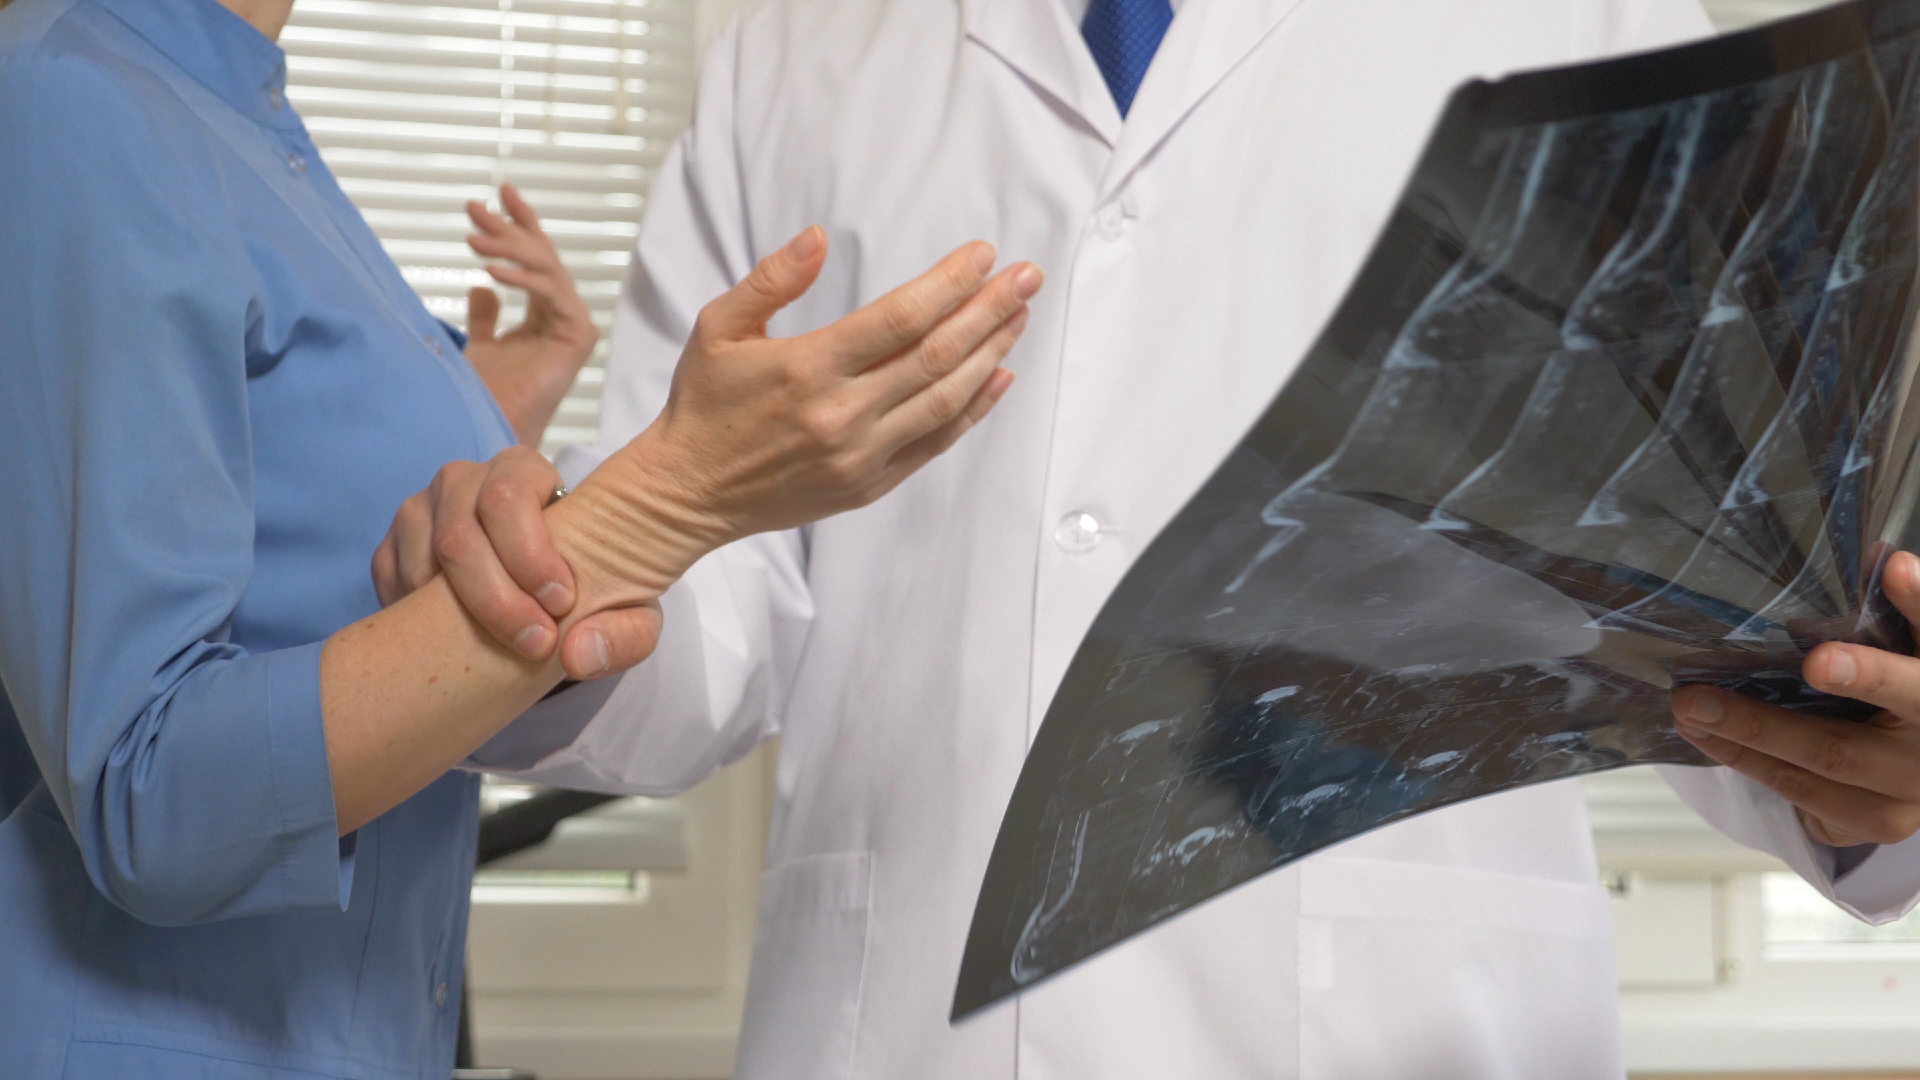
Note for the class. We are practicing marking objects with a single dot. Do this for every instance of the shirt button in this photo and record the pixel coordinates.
(297, 163)
(440, 996)
(1077, 533)
(1113, 222)
(276, 99)
(433, 343)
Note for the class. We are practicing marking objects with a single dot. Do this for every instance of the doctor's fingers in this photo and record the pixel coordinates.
(1866, 674)
(465, 554)
(1865, 756)
(915, 454)
(952, 397)
(608, 642)
(957, 338)
(1848, 815)
(892, 324)
(741, 313)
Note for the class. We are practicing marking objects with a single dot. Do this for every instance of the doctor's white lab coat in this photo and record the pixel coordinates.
(907, 652)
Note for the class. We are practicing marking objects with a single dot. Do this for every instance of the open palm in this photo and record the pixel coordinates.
(530, 368)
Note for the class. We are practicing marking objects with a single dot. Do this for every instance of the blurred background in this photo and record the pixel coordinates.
(618, 949)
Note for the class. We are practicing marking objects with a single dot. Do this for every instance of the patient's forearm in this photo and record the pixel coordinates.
(411, 692)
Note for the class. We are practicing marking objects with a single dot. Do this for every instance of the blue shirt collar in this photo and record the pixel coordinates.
(219, 49)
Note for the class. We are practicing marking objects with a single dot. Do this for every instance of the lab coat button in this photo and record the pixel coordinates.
(276, 99)
(1077, 533)
(1113, 222)
(296, 163)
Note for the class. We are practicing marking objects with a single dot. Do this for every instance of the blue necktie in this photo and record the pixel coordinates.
(1123, 35)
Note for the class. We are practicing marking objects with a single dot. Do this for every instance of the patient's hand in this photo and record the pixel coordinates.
(1850, 783)
(530, 368)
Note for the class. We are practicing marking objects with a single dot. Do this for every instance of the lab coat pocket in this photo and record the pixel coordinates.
(1416, 969)
(809, 967)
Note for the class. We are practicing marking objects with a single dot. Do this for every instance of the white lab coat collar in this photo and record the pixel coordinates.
(1208, 39)
(1039, 41)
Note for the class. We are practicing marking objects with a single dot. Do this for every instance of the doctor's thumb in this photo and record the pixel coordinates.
(609, 642)
(776, 281)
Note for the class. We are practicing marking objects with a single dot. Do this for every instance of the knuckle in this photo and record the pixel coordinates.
(846, 473)
(904, 318)
(1906, 822)
(827, 425)
(760, 281)
(1834, 756)
(497, 497)
(945, 402)
(704, 329)
(414, 513)
(1888, 825)
(794, 374)
(939, 355)
(419, 574)
(455, 540)
(1790, 784)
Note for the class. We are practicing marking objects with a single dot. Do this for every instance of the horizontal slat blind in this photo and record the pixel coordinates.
(1739, 14)
(420, 106)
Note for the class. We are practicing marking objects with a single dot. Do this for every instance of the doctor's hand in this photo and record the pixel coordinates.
(530, 368)
(1850, 783)
(759, 434)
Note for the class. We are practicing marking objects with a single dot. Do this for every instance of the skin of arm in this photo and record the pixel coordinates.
(759, 434)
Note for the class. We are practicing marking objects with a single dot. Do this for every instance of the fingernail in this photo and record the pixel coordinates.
(1840, 667)
(983, 256)
(533, 640)
(552, 595)
(1026, 281)
(1908, 571)
(802, 247)
(599, 656)
(1706, 709)
(1002, 382)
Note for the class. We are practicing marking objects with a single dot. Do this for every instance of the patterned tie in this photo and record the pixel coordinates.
(1123, 35)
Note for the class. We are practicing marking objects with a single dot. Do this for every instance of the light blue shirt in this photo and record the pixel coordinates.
(215, 390)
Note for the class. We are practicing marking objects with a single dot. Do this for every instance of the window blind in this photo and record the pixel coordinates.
(421, 105)
(1740, 14)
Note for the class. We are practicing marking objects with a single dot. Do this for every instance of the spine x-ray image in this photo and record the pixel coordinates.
(1621, 400)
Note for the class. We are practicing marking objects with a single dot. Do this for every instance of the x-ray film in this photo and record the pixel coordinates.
(1620, 400)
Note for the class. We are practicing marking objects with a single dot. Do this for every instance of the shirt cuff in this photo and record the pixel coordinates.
(317, 860)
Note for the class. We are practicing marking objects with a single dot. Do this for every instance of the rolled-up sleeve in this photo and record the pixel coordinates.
(193, 775)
